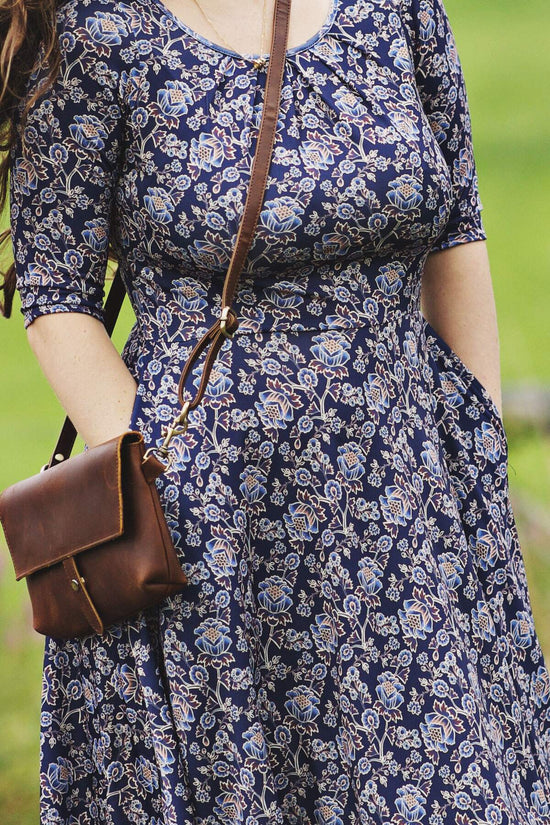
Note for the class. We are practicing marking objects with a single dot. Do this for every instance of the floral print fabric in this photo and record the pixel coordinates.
(357, 643)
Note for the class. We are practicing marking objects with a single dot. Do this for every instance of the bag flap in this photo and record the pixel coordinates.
(67, 508)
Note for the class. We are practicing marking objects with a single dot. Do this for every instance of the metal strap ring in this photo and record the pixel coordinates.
(223, 322)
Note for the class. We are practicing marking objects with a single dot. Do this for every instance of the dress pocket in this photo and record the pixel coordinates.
(470, 426)
(465, 375)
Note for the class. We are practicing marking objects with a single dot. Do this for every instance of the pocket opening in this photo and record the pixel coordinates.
(473, 381)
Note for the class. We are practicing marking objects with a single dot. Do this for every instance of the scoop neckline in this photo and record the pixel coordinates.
(329, 20)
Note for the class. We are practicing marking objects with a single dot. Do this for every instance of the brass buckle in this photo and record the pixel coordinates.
(166, 456)
(223, 322)
(177, 427)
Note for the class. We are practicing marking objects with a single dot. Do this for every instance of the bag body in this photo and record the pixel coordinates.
(90, 537)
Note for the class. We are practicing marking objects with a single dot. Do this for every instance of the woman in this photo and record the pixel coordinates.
(357, 643)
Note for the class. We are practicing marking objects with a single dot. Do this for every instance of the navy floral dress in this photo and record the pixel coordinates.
(356, 645)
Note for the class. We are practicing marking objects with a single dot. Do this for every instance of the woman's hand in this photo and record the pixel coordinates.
(458, 301)
(89, 377)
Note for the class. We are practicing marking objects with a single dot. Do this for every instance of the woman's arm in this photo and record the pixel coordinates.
(458, 301)
(62, 209)
(88, 375)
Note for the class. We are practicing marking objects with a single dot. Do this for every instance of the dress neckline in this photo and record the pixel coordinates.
(329, 20)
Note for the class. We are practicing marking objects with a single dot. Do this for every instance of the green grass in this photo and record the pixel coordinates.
(502, 47)
(20, 661)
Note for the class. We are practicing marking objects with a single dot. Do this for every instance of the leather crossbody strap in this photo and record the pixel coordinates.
(228, 322)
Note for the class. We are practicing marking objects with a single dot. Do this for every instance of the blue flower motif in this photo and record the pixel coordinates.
(274, 408)
(396, 505)
(430, 459)
(484, 545)
(482, 621)
(438, 732)
(253, 484)
(324, 633)
(522, 629)
(174, 100)
(538, 799)
(390, 690)
(213, 637)
(351, 459)
(487, 442)
(540, 686)
(274, 595)
(377, 394)
(302, 703)
(405, 192)
(451, 569)
(301, 521)
(426, 20)
(96, 234)
(416, 618)
(220, 556)
(159, 204)
(390, 279)
(89, 132)
(60, 775)
(400, 53)
(229, 807)
(328, 811)
(370, 576)
(316, 155)
(330, 350)
(106, 29)
(281, 214)
(410, 803)
(254, 742)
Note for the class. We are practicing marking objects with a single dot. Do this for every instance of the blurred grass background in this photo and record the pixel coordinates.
(503, 48)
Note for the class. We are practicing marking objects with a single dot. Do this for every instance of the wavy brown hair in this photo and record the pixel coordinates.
(24, 25)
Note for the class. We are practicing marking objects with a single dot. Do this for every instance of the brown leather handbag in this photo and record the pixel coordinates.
(88, 533)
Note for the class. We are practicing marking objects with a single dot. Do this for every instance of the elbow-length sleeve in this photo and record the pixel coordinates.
(62, 179)
(440, 82)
